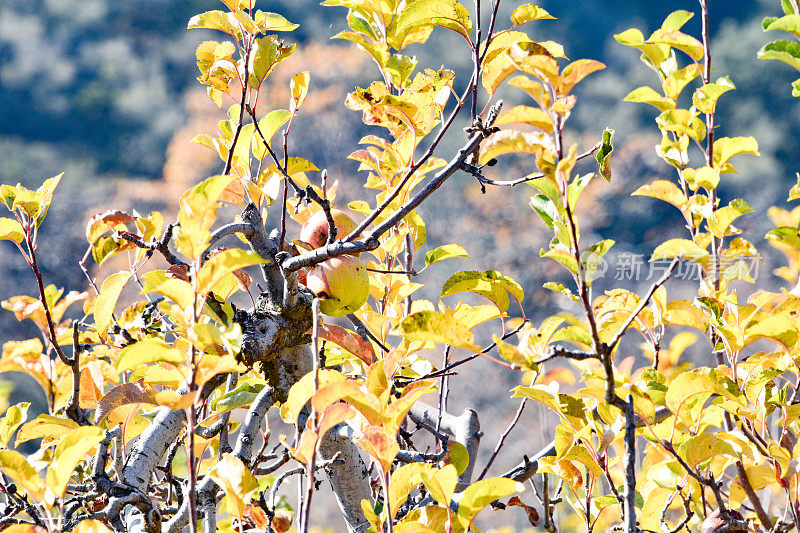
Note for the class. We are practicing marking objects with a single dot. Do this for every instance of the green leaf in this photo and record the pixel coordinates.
(790, 23)
(436, 327)
(490, 284)
(268, 52)
(593, 258)
(766, 21)
(528, 13)
(786, 51)
(563, 256)
(150, 350)
(545, 208)
(449, 14)
(482, 493)
(604, 154)
(562, 289)
(675, 247)
(242, 395)
(73, 449)
(107, 299)
(11, 230)
(785, 235)
(443, 252)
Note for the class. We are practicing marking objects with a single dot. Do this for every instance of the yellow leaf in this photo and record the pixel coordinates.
(663, 190)
(403, 481)
(223, 264)
(107, 299)
(15, 415)
(481, 493)
(71, 450)
(299, 88)
(436, 327)
(198, 213)
(177, 290)
(239, 484)
(441, 483)
(675, 247)
(10, 229)
(47, 427)
(302, 391)
(148, 351)
(16, 466)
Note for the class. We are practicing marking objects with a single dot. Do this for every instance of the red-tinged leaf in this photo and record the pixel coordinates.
(91, 388)
(106, 221)
(381, 445)
(354, 394)
(533, 514)
(575, 72)
(348, 340)
(334, 415)
(124, 394)
(179, 272)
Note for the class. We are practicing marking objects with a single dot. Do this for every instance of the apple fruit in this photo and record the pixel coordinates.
(715, 522)
(341, 284)
(315, 230)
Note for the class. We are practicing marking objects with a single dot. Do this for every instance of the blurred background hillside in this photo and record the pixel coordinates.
(105, 91)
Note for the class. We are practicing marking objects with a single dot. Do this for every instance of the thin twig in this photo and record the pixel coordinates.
(503, 439)
(643, 303)
(476, 171)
